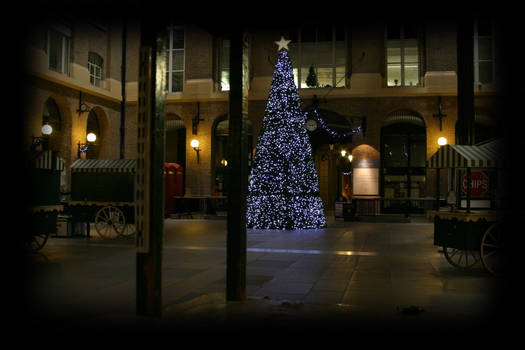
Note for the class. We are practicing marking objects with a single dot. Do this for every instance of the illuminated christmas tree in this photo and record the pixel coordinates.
(283, 191)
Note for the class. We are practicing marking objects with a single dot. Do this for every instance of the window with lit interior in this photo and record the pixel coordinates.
(402, 55)
(318, 56)
(224, 58)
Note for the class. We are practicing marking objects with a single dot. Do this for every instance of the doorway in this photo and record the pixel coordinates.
(176, 143)
(403, 173)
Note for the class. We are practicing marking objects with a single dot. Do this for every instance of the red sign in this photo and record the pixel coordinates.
(479, 183)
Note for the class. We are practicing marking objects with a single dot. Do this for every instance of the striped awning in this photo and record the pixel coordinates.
(462, 156)
(403, 116)
(104, 165)
(48, 160)
(175, 125)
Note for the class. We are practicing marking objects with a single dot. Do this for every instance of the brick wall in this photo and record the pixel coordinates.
(367, 96)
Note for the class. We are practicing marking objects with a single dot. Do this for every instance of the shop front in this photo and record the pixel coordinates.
(403, 170)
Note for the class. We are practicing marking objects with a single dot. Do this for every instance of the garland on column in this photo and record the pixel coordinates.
(331, 132)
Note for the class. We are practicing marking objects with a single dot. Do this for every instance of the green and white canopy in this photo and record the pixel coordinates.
(104, 165)
(488, 155)
(47, 160)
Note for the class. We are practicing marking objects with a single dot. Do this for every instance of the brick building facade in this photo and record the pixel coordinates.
(365, 58)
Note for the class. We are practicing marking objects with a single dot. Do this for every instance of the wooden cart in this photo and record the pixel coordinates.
(103, 192)
(469, 233)
(43, 198)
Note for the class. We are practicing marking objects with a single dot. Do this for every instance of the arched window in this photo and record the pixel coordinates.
(93, 126)
(220, 153)
(51, 116)
(403, 155)
(176, 142)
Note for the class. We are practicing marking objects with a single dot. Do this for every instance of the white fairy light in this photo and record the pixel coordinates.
(283, 191)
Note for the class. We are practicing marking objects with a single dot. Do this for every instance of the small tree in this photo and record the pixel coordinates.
(311, 79)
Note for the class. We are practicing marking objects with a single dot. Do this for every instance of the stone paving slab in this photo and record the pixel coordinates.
(350, 273)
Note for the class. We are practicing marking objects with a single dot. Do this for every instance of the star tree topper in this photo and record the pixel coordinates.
(283, 43)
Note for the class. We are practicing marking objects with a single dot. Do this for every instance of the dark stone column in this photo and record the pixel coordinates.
(238, 168)
(150, 169)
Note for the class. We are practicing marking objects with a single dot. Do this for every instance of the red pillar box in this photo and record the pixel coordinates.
(173, 177)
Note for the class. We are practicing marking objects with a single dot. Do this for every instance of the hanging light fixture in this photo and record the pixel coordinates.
(90, 141)
(47, 129)
(91, 137)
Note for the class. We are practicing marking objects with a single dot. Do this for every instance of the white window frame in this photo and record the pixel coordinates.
(402, 63)
(65, 50)
(477, 61)
(300, 81)
(96, 78)
(170, 52)
(222, 66)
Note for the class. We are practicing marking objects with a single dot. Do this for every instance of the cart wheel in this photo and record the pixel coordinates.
(110, 222)
(129, 230)
(38, 241)
(491, 249)
(462, 259)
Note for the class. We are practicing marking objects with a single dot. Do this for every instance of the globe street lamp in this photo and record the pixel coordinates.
(83, 147)
(442, 141)
(195, 144)
(46, 130)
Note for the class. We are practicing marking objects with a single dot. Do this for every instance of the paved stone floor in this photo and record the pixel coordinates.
(370, 275)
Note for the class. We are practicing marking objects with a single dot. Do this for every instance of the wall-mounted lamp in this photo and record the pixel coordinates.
(195, 144)
(46, 130)
(343, 152)
(83, 147)
(442, 141)
(82, 107)
(350, 157)
(91, 137)
(196, 119)
(440, 114)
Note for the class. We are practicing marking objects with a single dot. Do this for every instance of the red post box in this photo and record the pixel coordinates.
(173, 177)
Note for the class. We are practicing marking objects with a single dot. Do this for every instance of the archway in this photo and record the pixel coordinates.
(219, 160)
(52, 117)
(403, 155)
(93, 126)
(175, 141)
(485, 128)
(331, 139)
